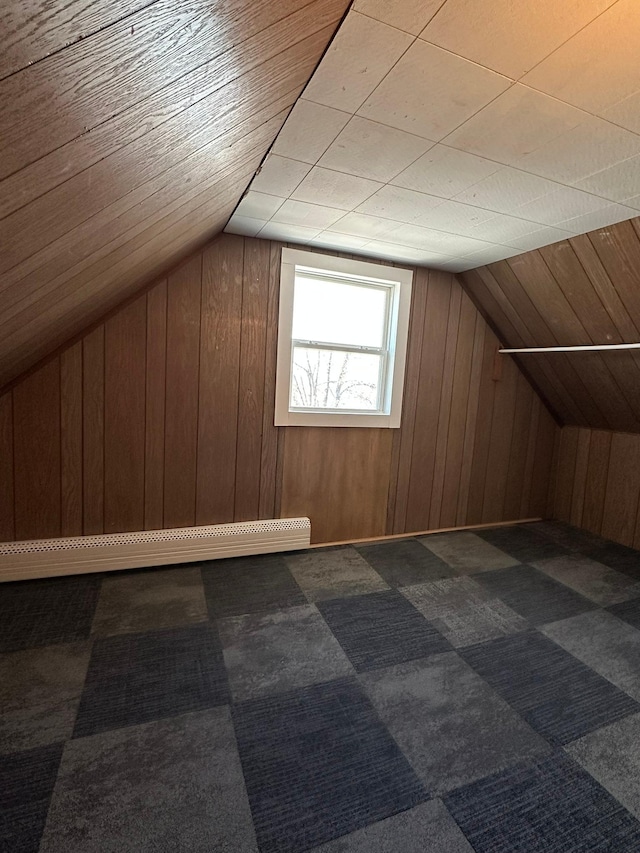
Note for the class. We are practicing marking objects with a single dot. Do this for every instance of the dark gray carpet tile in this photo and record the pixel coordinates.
(428, 828)
(558, 695)
(381, 629)
(275, 652)
(449, 723)
(533, 594)
(625, 560)
(135, 678)
(318, 764)
(170, 786)
(612, 756)
(48, 611)
(550, 807)
(26, 782)
(569, 537)
(467, 553)
(629, 611)
(148, 600)
(404, 562)
(522, 543)
(39, 694)
(249, 585)
(608, 645)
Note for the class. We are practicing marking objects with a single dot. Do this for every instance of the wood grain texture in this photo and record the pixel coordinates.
(7, 527)
(36, 431)
(136, 107)
(173, 399)
(124, 416)
(585, 290)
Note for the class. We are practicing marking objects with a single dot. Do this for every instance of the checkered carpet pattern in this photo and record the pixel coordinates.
(465, 692)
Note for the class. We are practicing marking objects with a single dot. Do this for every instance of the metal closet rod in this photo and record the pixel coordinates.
(584, 348)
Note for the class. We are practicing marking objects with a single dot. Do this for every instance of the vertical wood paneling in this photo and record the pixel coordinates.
(156, 370)
(181, 405)
(580, 476)
(36, 431)
(596, 484)
(124, 414)
(93, 431)
(566, 473)
(71, 440)
(163, 416)
(7, 528)
(255, 300)
(222, 265)
(622, 489)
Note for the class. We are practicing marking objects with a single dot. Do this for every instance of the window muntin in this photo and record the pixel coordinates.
(341, 341)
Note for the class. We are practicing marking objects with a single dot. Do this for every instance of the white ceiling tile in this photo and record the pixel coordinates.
(503, 229)
(309, 130)
(563, 203)
(489, 256)
(540, 237)
(258, 205)
(279, 175)
(516, 123)
(634, 202)
(393, 252)
(360, 225)
(456, 265)
(600, 219)
(293, 233)
(334, 240)
(244, 225)
(457, 218)
(509, 36)
(360, 55)
(617, 183)
(412, 16)
(335, 189)
(506, 190)
(309, 215)
(373, 150)
(590, 147)
(400, 204)
(430, 92)
(597, 67)
(445, 172)
(431, 240)
(626, 113)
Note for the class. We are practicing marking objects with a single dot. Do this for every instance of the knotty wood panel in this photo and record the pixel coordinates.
(168, 406)
(136, 108)
(584, 290)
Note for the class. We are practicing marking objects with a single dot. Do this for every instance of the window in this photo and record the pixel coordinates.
(342, 341)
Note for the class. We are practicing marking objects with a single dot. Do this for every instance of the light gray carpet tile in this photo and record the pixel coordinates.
(274, 652)
(463, 611)
(171, 785)
(448, 722)
(593, 580)
(466, 552)
(333, 573)
(605, 643)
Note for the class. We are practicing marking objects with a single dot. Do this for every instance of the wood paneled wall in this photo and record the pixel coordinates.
(585, 290)
(597, 484)
(162, 416)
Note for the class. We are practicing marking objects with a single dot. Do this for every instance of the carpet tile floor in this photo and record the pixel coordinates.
(467, 692)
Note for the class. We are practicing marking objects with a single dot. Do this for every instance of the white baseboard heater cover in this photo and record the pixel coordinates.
(40, 558)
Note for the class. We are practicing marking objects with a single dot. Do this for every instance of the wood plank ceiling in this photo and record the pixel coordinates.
(129, 130)
(585, 290)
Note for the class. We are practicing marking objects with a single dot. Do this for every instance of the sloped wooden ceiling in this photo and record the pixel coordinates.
(585, 290)
(129, 130)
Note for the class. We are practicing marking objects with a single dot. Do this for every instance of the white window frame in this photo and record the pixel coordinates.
(399, 282)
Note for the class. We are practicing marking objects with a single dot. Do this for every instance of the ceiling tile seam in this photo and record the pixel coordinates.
(566, 41)
(394, 26)
(160, 124)
(72, 44)
(528, 71)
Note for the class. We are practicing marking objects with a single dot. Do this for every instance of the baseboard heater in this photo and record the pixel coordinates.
(40, 558)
